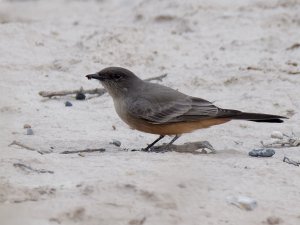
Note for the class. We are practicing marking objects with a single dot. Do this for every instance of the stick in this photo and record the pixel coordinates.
(293, 72)
(22, 145)
(98, 91)
(290, 161)
(159, 78)
(253, 68)
(28, 148)
(281, 143)
(29, 168)
(85, 150)
(296, 45)
(50, 94)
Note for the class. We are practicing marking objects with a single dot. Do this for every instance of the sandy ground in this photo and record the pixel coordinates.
(235, 53)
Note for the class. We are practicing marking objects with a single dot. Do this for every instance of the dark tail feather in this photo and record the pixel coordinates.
(255, 117)
(268, 121)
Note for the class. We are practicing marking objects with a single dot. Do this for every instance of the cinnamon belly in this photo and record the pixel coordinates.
(173, 128)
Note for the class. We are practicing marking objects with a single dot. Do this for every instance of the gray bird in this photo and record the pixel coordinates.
(157, 109)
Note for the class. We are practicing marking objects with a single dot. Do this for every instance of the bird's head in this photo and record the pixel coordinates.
(116, 80)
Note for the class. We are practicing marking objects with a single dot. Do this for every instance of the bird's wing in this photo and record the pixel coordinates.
(200, 109)
(170, 106)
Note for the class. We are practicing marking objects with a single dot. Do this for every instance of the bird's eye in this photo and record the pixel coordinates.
(117, 77)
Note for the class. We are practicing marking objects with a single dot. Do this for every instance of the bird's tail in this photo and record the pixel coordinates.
(255, 117)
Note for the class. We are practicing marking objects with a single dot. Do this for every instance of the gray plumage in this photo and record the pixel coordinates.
(158, 104)
(157, 109)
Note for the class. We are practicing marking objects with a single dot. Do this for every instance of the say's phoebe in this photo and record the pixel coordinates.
(157, 109)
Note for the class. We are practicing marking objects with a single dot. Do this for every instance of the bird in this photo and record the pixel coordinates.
(157, 109)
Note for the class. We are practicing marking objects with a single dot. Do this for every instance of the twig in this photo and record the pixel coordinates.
(281, 143)
(28, 148)
(98, 91)
(50, 94)
(287, 141)
(85, 150)
(290, 161)
(293, 72)
(294, 46)
(159, 78)
(253, 68)
(30, 169)
(21, 145)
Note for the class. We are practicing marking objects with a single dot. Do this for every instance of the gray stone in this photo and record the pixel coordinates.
(262, 152)
(80, 96)
(68, 104)
(29, 131)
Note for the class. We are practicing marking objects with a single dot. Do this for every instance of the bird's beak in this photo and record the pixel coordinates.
(93, 76)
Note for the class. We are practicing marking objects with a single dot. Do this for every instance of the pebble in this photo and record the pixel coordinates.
(29, 131)
(80, 96)
(68, 104)
(116, 143)
(26, 126)
(277, 135)
(262, 152)
(242, 202)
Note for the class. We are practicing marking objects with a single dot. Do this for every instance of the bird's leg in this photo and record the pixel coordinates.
(153, 143)
(172, 141)
(166, 148)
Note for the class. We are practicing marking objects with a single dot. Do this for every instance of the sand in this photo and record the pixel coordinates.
(238, 54)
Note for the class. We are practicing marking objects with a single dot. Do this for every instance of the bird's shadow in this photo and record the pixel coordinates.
(198, 147)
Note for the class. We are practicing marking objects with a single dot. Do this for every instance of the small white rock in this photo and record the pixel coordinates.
(116, 143)
(242, 202)
(277, 135)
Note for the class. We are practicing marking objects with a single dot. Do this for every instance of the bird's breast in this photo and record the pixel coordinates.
(120, 108)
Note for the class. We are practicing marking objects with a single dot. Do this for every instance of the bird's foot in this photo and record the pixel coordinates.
(158, 149)
(200, 147)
